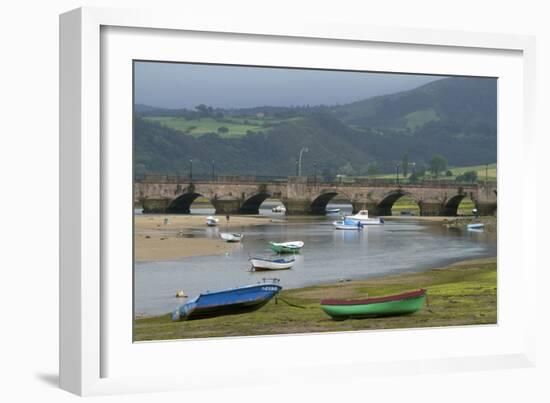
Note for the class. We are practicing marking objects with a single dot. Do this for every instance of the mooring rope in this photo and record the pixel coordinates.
(290, 303)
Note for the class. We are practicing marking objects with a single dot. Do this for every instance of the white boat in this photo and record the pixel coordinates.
(259, 263)
(279, 209)
(349, 224)
(230, 237)
(212, 221)
(363, 217)
(332, 210)
(478, 225)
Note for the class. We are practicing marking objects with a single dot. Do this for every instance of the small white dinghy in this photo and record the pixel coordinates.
(279, 209)
(231, 237)
(259, 263)
(363, 218)
(477, 225)
(212, 221)
(332, 210)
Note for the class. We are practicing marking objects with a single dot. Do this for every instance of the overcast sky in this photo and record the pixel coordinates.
(180, 85)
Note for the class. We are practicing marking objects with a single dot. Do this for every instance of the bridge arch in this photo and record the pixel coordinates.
(450, 208)
(182, 203)
(461, 201)
(386, 203)
(251, 205)
(319, 204)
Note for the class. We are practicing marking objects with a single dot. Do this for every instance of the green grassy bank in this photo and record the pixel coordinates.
(460, 294)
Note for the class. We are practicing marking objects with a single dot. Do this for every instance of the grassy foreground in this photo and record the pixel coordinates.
(461, 294)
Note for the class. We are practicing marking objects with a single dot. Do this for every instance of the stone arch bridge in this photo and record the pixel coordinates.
(306, 196)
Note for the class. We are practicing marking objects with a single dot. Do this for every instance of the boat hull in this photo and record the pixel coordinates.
(348, 226)
(285, 248)
(227, 302)
(211, 221)
(367, 221)
(231, 237)
(408, 304)
(262, 264)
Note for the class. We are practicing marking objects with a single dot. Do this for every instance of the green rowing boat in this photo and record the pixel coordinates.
(399, 304)
(286, 247)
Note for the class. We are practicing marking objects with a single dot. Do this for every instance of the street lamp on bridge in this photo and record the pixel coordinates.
(314, 171)
(300, 160)
(397, 172)
(190, 170)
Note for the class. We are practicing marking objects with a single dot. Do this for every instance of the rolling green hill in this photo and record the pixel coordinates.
(454, 117)
(453, 99)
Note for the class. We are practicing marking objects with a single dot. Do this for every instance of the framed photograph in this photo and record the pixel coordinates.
(245, 197)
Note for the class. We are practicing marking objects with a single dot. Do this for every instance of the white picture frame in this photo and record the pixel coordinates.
(96, 356)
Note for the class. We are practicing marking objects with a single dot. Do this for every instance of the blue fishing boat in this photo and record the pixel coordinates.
(348, 224)
(228, 302)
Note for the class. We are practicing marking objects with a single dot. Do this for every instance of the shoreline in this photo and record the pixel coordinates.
(462, 293)
(176, 238)
(161, 237)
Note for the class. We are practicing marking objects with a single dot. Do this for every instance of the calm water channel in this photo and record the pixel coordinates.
(329, 255)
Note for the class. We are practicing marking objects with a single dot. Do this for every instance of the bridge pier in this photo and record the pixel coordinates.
(155, 206)
(486, 208)
(300, 207)
(431, 208)
(227, 206)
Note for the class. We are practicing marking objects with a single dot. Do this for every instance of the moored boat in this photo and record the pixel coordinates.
(399, 304)
(259, 263)
(212, 221)
(348, 224)
(286, 247)
(228, 302)
(477, 225)
(332, 210)
(231, 237)
(279, 209)
(363, 217)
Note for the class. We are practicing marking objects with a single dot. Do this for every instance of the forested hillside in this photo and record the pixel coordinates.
(453, 117)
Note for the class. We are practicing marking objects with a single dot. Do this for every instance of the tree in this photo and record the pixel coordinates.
(347, 169)
(468, 176)
(405, 164)
(449, 173)
(372, 169)
(203, 110)
(223, 129)
(438, 164)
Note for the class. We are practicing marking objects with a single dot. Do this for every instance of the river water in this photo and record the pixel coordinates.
(328, 256)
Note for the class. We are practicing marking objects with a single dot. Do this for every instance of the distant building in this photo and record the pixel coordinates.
(260, 115)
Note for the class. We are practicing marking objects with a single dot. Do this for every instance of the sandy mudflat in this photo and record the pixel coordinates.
(157, 240)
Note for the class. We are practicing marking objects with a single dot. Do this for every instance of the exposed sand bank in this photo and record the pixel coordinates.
(163, 237)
